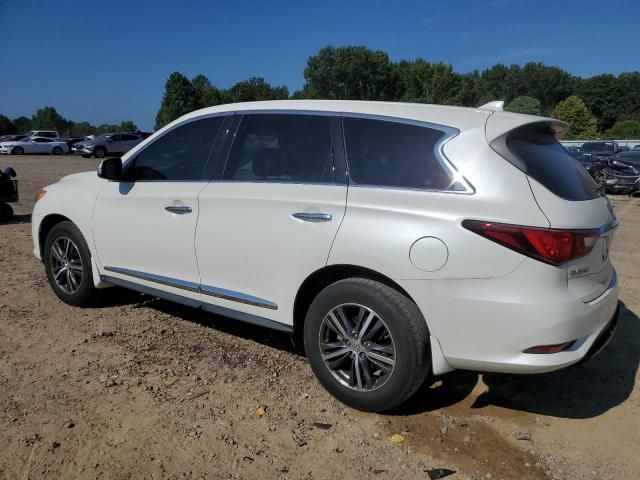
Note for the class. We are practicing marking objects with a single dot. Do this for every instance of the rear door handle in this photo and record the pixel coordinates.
(178, 209)
(312, 217)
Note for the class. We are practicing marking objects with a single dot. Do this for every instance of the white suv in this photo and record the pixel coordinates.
(397, 240)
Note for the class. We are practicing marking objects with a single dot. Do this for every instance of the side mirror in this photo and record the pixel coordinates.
(110, 169)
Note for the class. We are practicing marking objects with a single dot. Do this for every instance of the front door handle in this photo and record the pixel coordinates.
(178, 209)
(312, 217)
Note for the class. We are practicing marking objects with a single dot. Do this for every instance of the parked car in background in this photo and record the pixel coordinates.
(11, 138)
(370, 230)
(41, 145)
(71, 141)
(117, 143)
(599, 150)
(43, 133)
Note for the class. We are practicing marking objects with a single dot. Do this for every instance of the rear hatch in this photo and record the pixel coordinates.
(565, 193)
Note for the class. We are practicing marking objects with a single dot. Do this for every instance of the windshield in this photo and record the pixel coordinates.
(597, 147)
(104, 136)
(631, 157)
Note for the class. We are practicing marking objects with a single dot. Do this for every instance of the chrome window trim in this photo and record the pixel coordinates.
(449, 133)
(209, 290)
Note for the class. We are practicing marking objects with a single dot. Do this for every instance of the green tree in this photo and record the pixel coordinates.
(499, 83)
(205, 94)
(597, 93)
(23, 124)
(127, 126)
(105, 128)
(81, 129)
(349, 73)
(7, 126)
(47, 118)
(624, 129)
(424, 82)
(256, 88)
(525, 104)
(178, 99)
(548, 84)
(583, 126)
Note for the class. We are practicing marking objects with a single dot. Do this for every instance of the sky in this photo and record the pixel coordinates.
(104, 62)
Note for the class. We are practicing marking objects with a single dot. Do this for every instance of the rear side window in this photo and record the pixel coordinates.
(394, 154)
(179, 155)
(535, 150)
(282, 148)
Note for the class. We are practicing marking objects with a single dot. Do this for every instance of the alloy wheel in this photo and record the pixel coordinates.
(357, 347)
(66, 265)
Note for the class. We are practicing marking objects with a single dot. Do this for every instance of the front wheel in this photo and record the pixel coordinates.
(17, 151)
(367, 344)
(100, 152)
(67, 261)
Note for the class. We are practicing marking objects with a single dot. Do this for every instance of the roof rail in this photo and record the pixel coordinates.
(496, 106)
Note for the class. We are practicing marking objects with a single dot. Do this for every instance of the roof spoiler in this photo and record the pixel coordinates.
(496, 106)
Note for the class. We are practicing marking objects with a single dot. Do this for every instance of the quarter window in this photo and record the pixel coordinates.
(394, 154)
(282, 148)
(180, 154)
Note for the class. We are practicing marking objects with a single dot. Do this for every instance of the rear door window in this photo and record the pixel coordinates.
(394, 154)
(535, 150)
(282, 148)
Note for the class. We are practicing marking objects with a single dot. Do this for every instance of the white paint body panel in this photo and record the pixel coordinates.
(132, 230)
(483, 306)
(247, 240)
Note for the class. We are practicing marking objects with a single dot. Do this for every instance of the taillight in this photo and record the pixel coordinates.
(545, 244)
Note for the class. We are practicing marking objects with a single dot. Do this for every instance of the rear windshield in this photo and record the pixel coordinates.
(535, 150)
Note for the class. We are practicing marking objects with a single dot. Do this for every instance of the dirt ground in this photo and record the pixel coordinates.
(142, 388)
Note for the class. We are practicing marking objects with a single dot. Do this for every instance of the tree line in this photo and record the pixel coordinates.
(603, 106)
(47, 118)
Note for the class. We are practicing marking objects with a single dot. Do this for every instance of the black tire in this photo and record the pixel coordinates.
(86, 156)
(6, 212)
(86, 294)
(406, 327)
(57, 150)
(100, 152)
(17, 151)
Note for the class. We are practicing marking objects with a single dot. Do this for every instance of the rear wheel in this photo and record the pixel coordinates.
(57, 150)
(367, 344)
(100, 152)
(67, 261)
(17, 151)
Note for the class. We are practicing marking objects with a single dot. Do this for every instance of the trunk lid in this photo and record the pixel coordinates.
(564, 191)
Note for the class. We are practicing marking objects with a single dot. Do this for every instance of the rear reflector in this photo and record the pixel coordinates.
(550, 348)
(545, 244)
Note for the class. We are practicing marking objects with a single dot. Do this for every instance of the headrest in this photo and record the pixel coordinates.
(268, 162)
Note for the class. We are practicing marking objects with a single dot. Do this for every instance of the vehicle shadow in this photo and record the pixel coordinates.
(264, 336)
(18, 219)
(582, 391)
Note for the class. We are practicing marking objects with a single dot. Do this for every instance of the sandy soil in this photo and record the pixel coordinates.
(142, 388)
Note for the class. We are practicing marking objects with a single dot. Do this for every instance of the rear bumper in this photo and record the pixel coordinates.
(486, 325)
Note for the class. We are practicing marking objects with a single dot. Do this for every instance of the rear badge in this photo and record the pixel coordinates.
(578, 271)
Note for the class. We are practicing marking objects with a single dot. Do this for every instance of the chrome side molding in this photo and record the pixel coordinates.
(217, 292)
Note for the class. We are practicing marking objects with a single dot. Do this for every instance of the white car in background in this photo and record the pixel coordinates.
(39, 145)
(398, 240)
